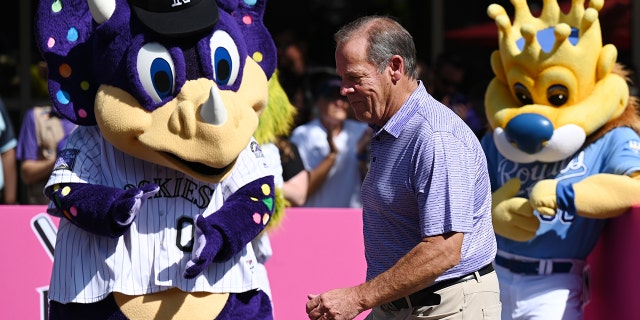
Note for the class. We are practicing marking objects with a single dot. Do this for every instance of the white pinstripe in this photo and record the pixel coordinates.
(146, 259)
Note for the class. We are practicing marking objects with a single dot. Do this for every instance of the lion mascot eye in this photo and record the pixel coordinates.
(522, 93)
(557, 95)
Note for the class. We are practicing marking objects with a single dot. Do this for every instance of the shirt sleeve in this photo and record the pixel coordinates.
(250, 165)
(624, 154)
(291, 164)
(444, 181)
(27, 140)
(298, 137)
(79, 161)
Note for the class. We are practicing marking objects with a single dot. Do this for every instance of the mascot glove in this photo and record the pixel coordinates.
(130, 202)
(543, 197)
(513, 217)
(207, 244)
(225, 232)
(98, 209)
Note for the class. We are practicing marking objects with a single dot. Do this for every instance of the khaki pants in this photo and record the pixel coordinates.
(473, 299)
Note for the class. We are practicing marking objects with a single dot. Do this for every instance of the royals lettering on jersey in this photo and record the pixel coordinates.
(565, 235)
(153, 254)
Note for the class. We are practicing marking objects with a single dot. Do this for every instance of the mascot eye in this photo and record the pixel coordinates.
(156, 71)
(225, 59)
(522, 93)
(557, 95)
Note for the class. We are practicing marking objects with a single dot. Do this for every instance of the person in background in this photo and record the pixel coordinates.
(294, 73)
(42, 134)
(329, 149)
(446, 86)
(9, 175)
(428, 236)
(295, 176)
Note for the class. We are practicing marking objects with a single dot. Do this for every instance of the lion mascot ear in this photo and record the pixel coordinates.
(162, 187)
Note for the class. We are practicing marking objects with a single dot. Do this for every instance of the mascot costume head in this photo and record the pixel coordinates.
(564, 150)
(162, 187)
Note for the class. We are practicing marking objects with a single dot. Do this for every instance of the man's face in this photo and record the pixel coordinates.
(367, 89)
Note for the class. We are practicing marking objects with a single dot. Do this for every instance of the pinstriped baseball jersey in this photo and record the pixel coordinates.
(152, 255)
(565, 235)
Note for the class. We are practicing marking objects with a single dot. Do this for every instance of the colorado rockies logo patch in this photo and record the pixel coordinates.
(66, 159)
(255, 148)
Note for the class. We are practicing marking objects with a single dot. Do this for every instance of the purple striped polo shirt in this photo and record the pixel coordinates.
(428, 176)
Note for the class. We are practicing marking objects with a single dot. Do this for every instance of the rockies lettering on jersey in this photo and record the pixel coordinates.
(189, 189)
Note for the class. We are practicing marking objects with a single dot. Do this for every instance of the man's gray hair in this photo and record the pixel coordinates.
(385, 38)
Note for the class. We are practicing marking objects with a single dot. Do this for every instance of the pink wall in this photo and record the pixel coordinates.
(614, 267)
(26, 262)
(314, 250)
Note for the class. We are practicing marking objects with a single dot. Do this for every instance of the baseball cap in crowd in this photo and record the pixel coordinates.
(330, 88)
(176, 18)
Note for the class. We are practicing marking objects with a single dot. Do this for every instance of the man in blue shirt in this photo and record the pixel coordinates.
(429, 240)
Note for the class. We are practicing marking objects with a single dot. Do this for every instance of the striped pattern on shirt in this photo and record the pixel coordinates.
(428, 176)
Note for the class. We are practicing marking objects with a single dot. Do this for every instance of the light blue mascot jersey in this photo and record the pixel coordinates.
(565, 235)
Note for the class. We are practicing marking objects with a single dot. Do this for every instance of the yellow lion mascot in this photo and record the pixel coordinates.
(563, 152)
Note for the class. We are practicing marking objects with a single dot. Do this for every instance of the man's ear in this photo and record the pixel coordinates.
(396, 67)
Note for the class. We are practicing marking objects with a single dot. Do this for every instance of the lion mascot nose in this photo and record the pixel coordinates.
(529, 131)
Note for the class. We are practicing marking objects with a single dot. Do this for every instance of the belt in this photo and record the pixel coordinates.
(540, 267)
(428, 297)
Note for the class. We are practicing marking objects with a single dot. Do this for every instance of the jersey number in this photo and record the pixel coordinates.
(184, 240)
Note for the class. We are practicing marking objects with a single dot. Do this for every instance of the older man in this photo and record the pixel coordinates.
(429, 240)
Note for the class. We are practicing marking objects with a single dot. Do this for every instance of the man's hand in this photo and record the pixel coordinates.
(337, 304)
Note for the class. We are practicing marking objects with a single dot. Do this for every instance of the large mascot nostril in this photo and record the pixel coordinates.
(529, 131)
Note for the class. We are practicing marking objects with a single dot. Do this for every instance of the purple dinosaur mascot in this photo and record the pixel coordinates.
(162, 187)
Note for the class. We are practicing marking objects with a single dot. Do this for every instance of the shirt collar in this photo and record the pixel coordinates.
(396, 124)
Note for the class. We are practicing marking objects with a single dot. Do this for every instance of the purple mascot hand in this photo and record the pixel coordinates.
(129, 203)
(207, 243)
(221, 234)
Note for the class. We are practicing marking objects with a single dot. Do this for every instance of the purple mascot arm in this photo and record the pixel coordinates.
(99, 209)
(225, 232)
